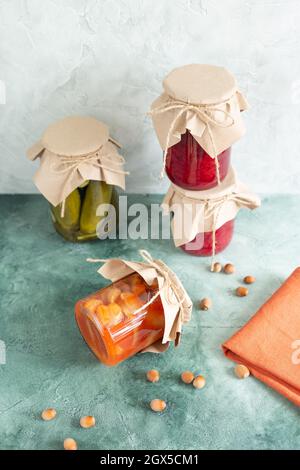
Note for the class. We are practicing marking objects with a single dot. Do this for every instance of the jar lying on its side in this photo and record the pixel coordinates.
(203, 245)
(119, 320)
(189, 166)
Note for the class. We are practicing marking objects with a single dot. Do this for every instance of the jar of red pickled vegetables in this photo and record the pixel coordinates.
(203, 221)
(197, 119)
(142, 310)
(80, 168)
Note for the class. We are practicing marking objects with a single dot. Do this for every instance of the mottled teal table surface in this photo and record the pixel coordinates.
(49, 365)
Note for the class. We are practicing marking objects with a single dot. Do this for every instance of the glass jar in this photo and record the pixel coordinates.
(80, 169)
(202, 245)
(190, 167)
(79, 220)
(114, 323)
(198, 100)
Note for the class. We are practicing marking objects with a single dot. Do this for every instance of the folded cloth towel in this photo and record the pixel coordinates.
(269, 344)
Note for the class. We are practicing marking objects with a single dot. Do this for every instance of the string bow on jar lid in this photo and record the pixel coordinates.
(71, 151)
(203, 99)
(199, 212)
(176, 303)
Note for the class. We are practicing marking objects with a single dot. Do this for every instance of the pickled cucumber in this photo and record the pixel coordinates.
(70, 220)
(97, 192)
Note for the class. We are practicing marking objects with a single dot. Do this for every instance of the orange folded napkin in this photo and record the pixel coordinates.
(269, 344)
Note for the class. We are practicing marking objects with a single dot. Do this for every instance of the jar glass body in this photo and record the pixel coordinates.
(79, 221)
(114, 322)
(202, 245)
(190, 167)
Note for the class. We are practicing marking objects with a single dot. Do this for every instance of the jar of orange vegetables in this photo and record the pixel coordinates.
(119, 321)
(142, 310)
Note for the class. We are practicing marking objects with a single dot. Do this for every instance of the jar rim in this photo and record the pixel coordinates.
(89, 323)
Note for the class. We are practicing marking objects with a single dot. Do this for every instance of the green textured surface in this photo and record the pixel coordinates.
(48, 363)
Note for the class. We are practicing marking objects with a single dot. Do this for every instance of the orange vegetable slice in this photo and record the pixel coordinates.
(130, 303)
(112, 294)
(110, 315)
(91, 304)
(102, 313)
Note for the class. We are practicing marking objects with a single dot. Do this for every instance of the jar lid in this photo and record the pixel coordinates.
(200, 84)
(206, 211)
(75, 136)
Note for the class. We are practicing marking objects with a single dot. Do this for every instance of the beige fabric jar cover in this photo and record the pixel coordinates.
(175, 300)
(73, 150)
(203, 99)
(205, 211)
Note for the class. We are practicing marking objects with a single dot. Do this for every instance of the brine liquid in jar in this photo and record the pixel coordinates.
(115, 321)
(79, 220)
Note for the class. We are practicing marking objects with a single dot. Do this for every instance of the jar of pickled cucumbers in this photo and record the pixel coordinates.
(80, 169)
(142, 310)
(197, 119)
(114, 322)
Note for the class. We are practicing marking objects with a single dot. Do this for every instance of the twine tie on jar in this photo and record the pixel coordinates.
(213, 207)
(72, 164)
(172, 286)
(205, 113)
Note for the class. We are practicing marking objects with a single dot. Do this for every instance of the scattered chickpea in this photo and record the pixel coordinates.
(229, 268)
(153, 375)
(48, 414)
(158, 405)
(205, 304)
(70, 444)
(87, 422)
(217, 268)
(241, 371)
(242, 291)
(199, 381)
(249, 279)
(187, 377)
